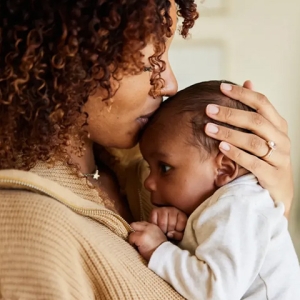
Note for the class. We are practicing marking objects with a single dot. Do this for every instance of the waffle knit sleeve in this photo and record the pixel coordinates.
(43, 254)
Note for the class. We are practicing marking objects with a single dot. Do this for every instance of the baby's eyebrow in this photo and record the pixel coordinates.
(160, 154)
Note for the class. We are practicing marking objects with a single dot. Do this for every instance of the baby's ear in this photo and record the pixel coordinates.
(227, 170)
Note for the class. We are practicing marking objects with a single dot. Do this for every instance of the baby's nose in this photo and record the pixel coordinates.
(149, 184)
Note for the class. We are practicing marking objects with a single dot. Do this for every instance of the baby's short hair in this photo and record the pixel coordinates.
(193, 100)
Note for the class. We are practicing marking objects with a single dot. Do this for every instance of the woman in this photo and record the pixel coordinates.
(79, 73)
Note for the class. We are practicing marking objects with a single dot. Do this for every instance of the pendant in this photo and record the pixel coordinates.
(96, 175)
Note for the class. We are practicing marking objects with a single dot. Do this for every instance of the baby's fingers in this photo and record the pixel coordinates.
(134, 239)
(175, 235)
(181, 222)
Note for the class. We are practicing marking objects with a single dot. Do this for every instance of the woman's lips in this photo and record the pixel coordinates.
(143, 120)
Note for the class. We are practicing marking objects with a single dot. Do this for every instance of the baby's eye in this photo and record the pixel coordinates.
(147, 69)
(165, 168)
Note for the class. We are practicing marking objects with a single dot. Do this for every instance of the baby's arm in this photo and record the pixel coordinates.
(232, 242)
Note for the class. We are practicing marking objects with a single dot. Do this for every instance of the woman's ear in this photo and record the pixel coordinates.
(227, 170)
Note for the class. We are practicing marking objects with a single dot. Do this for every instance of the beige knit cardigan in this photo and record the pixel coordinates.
(57, 241)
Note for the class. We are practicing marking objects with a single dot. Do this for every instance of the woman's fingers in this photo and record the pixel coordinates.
(250, 162)
(257, 101)
(248, 85)
(247, 141)
(251, 150)
(281, 175)
(253, 163)
(244, 119)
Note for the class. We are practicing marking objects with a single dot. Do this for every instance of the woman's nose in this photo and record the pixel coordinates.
(149, 184)
(171, 85)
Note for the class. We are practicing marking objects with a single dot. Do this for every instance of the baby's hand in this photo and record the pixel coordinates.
(147, 237)
(170, 220)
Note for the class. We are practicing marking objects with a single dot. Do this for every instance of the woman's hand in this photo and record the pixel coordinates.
(273, 171)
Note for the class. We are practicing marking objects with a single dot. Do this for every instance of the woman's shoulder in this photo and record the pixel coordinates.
(27, 187)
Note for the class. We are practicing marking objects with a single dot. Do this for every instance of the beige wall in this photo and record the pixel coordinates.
(257, 40)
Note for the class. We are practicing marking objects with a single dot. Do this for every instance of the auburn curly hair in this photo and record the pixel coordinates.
(55, 53)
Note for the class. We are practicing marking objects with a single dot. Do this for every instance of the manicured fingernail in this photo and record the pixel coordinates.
(225, 146)
(212, 109)
(226, 86)
(212, 128)
(170, 235)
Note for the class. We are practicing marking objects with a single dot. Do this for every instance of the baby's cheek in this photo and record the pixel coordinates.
(177, 197)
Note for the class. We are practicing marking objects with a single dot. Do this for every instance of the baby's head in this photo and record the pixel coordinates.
(186, 166)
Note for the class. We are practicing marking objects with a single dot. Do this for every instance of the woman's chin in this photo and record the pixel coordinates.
(132, 139)
(120, 139)
(133, 142)
(127, 143)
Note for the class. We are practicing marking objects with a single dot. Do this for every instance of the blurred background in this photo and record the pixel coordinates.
(250, 39)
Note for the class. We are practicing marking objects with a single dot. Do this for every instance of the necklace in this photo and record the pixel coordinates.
(95, 175)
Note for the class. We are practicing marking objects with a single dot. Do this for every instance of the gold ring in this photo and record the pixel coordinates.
(272, 147)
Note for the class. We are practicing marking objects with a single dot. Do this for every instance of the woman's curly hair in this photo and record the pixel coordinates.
(55, 53)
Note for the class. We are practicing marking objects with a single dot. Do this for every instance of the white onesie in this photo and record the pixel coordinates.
(236, 245)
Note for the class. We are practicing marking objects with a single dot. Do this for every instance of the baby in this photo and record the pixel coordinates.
(236, 243)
